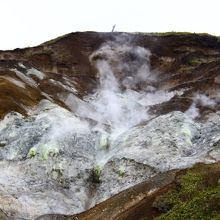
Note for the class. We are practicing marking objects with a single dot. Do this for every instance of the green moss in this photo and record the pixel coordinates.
(203, 206)
(190, 183)
(171, 33)
(180, 33)
(165, 202)
(196, 196)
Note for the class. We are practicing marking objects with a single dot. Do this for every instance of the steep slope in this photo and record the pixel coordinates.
(179, 58)
(88, 115)
(187, 194)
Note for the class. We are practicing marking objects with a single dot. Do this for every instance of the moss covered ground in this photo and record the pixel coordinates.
(196, 195)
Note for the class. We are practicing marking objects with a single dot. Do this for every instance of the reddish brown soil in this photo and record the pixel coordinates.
(184, 61)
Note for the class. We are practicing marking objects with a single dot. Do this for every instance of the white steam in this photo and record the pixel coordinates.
(120, 69)
(199, 99)
(204, 100)
(127, 88)
(193, 111)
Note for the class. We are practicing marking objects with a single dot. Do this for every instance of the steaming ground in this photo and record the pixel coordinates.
(127, 88)
(60, 161)
(126, 91)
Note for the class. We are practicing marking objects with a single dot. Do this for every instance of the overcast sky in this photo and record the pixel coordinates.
(31, 22)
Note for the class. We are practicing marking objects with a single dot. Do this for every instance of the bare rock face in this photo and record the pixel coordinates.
(42, 170)
(169, 141)
(174, 194)
(88, 115)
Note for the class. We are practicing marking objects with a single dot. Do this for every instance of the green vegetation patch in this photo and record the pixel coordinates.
(174, 33)
(196, 195)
